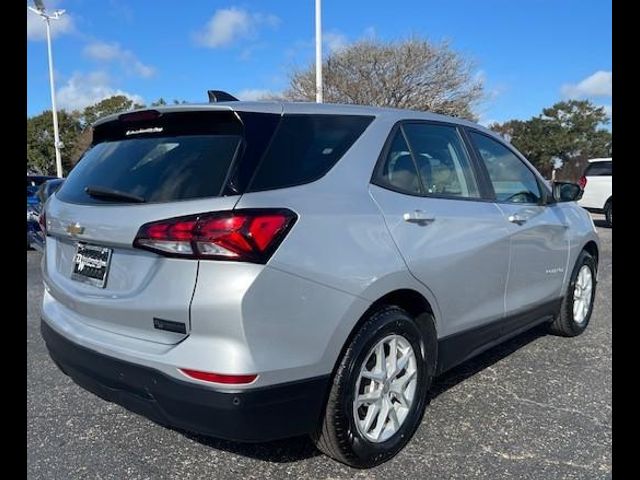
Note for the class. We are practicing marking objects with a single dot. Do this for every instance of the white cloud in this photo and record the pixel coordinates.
(82, 90)
(597, 85)
(335, 41)
(229, 25)
(102, 51)
(36, 29)
(251, 94)
(109, 52)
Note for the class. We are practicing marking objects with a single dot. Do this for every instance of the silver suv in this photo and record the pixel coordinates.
(253, 271)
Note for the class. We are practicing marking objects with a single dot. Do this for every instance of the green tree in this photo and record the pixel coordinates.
(412, 73)
(41, 155)
(115, 104)
(92, 113)
(569, 132)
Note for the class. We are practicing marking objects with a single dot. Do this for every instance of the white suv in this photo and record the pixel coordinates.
(596, 183)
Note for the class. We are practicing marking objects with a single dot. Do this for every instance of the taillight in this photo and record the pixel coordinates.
(42, 221)
(582, 182)
(240, 235)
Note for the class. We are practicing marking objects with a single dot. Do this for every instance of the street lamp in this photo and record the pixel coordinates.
(318, 51)
(46, 17)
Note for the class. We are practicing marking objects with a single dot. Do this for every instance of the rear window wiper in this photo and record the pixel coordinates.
(107, 193)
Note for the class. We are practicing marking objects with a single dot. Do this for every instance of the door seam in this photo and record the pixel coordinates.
(506, 282)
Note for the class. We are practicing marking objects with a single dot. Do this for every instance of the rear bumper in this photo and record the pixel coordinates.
(249, 415)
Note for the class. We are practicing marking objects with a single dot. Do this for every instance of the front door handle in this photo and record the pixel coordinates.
(419, 217)
(517, 219)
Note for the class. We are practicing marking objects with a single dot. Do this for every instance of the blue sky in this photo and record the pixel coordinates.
(530, 53)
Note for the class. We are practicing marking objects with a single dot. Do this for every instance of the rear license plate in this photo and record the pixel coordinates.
(91, 264)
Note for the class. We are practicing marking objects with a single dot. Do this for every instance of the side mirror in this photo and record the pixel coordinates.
(566, 192)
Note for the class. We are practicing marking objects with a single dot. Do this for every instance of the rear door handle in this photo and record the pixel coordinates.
(419, 217)
(517, 219)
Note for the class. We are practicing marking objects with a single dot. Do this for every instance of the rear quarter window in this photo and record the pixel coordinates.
(305, 148)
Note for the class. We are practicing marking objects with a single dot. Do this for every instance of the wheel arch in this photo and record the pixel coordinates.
(592, 249)
(415, 304)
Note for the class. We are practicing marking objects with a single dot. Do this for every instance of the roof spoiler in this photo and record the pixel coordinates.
(216, 96)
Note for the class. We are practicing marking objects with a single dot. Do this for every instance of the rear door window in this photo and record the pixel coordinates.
(442, 160)
(305, 147)
(598, 169)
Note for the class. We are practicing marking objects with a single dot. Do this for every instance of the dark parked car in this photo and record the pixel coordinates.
(32, 212)
(35, 201)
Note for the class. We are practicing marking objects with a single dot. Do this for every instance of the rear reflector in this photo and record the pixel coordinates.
(219, 377)
(239, 235)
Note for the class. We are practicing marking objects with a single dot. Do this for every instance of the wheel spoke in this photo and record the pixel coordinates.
(376, 376)
(399, 395)
(381, 364)
(382, 420)
(368, 398)
(393, 415)
(393, 356)
(372, 413)
(403, 362)
(400, 385)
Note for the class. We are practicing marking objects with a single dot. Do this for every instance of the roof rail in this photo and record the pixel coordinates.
(216, 96)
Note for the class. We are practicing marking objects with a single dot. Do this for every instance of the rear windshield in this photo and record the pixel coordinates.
(189, 155)
(598, 169)
(157, 169)
(158, 158)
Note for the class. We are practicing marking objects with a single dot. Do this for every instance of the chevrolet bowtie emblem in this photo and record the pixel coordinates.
(75, 229)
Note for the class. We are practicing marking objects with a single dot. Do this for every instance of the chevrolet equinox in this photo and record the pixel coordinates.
(260, 270)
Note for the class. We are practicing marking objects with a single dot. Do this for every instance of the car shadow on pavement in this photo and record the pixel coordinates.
(277, 451)
(486, 359)
(301, 448)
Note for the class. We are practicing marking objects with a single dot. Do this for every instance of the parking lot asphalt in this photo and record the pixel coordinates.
(536, 407)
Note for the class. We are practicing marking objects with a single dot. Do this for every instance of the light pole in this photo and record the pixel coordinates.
(40, 10)
(318, 51)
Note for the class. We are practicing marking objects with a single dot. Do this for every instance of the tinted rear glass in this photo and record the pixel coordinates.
(305, 147)
(598, 169)
(173, 156)
(160, 169)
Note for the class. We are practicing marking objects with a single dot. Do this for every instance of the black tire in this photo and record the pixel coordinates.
(338, 435)
(564, 324)
(608, 213)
